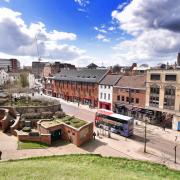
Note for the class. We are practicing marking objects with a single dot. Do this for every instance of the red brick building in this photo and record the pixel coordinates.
(79, 85)
(129, 95)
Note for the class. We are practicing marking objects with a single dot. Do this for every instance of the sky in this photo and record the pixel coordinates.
(105, 32)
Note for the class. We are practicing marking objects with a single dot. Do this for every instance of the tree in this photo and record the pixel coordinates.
(116, 68)
(24, 79)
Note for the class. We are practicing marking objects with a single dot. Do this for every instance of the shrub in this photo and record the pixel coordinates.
(26, 129)
(59, 114)
(46, 115)
(32, 116)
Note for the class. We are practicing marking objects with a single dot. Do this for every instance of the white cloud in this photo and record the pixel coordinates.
(100, 30)
(18, 39)
(102, 38)
(154, 26)
(82, 3)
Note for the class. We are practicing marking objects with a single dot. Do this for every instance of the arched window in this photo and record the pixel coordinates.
(169, 97)
(154, 95)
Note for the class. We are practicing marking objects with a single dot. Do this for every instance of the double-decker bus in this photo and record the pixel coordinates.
(113, 122)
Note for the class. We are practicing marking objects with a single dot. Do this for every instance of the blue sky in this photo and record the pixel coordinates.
(108, 31)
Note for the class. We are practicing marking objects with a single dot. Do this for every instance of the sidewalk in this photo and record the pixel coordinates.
(75, 104)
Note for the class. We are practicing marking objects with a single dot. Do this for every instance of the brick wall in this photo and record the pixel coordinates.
(44, 138)
(141, 94)
(70, 90)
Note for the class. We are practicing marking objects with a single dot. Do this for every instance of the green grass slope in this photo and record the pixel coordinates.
(84, 167)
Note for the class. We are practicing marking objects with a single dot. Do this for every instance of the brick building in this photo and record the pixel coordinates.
(46, 69)
(129, 95)
(79, 85)
(10, 65)
(106, 91)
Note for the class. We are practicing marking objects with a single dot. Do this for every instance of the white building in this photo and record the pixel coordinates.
(106, 91)
(31, 80)
(13, 77)
(4, 77)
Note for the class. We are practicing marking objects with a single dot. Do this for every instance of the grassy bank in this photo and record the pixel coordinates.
(84, 167)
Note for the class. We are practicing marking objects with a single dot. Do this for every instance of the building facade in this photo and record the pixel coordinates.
(31, 80)
(79, 85)
(45, 69)
(4, 77)
(129, 96)
(163, 95)
(10, 65)
(106, 91)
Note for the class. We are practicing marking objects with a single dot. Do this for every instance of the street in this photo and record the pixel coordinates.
(155, 135)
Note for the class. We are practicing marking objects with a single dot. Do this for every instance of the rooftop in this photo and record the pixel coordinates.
(134, 82)
(110, 79)
(81, 75)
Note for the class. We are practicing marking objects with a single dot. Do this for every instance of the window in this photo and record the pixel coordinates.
(118, 98)
(109, 96)
(101, 95)
(104, 86)
(127, 99)
(132, 100)
(155, 76)
(137, 91)
(101, 86)
(170, 77)
(137, 101)
(109, 87)
(104, 95)
(169, 97)
(122, 98)
(154, 96)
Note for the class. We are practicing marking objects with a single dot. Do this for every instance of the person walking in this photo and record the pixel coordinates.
(94, 135)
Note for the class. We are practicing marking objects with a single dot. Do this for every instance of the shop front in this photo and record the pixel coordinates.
(105, 105)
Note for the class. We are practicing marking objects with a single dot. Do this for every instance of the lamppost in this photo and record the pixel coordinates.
(175, 147)
(145, 135)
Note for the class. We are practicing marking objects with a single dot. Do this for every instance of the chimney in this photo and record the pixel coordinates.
(178, 59)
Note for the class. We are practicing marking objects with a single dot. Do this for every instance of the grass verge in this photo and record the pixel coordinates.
(84, 167)
(31, 145)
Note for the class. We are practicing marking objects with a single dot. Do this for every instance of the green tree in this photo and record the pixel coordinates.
(24, 79)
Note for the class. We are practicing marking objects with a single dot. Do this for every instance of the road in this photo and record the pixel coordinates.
(154, 140)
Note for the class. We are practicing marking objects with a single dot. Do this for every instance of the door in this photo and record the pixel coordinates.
(56, 135)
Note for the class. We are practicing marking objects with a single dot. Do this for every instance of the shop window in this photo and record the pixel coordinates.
(155, 76)
(170, 77)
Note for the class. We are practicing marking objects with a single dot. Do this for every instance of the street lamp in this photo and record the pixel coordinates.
(175, 147)
(145, 135)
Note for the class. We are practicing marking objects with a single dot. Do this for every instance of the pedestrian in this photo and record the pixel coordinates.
(0, 154)
(94, 135)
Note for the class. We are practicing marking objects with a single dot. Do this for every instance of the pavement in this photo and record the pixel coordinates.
(160, 143)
